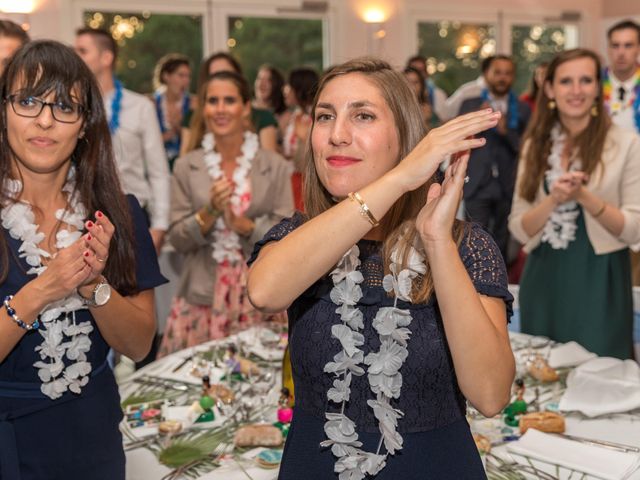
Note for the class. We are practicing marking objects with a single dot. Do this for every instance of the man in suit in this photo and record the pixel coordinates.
(492, 169)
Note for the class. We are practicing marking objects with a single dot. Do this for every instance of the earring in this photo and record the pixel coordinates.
(594, 111)
(551, 105)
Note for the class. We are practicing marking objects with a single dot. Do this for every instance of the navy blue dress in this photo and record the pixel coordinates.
(75, 437)
(437, 441)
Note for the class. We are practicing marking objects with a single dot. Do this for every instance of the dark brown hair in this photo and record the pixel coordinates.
(537, 139)
(624, 25)
(168, 64)
(197, 125)
(204, 74)
(13, 30)
(44, 67)
(399, 224)
(104, 40)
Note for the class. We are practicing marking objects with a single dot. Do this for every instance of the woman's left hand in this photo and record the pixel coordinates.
(435, 220)
(97, 240)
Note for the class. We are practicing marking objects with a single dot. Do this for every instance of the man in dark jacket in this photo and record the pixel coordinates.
(492, 169)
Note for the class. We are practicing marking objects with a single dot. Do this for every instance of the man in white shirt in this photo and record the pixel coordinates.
(137, 141)
(621, 80)
(466, 91)
(621, 85)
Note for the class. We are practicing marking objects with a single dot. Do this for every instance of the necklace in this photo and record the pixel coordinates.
(384, 378)
(172, 146)
(561, 227)
(116, 105)
(615, 106)
(57, 319)
(226, 242)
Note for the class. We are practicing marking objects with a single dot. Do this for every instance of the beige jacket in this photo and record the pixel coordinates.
(616, 180)
(271, 200)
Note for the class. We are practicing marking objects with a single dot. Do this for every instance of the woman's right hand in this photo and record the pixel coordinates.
(220, 193)
(66, 271)
(452, 137)
(567, 187)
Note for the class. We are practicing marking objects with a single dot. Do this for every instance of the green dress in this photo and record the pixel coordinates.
(574, 294)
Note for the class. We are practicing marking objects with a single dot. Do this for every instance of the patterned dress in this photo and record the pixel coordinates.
(437, 440)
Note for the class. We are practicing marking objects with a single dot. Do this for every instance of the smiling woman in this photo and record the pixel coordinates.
(225, 195)
(381, 373)
(76, 263)
(577, 210)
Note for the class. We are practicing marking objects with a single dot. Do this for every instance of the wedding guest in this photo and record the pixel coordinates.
(77, 272)
(397, 312)
(576, 208)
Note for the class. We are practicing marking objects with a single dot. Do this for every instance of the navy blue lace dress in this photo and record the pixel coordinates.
(74, 437)
(437, 441)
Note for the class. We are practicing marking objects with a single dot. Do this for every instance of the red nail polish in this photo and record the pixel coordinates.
(86, 254)
(99, 214)
(89, 237)
(89, 224)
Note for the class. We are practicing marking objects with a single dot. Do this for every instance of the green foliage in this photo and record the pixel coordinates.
(283, 43)
(159, 35)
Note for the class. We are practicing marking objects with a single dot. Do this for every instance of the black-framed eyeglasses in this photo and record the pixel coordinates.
(31, 107)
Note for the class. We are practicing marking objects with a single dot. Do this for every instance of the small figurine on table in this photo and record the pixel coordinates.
(285, 412)
(206, 403)
(233, 367)
(517, 407)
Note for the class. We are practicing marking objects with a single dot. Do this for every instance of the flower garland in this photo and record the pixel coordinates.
(383, 374)
(561, 227)
(61, 335)
(116, 105)
(226, 242)
(613, 106)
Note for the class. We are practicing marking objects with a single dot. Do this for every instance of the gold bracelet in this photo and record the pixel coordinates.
(364, 209)
(601, 211)
(199, 219)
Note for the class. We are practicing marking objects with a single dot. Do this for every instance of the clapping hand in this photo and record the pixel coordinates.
(568, 186)
(220, 193)
(435, 220)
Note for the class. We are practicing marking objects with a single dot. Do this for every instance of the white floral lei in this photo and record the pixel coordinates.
(56, 322)
(226, 242)
(384, 377)
(561, 227)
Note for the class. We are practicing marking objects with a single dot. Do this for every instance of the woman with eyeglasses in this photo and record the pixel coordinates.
(77, 272)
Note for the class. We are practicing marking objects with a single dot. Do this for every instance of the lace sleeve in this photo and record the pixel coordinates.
(277, 232)
(483, 261)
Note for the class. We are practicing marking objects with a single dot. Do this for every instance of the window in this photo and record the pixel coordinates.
(534, 44)
(143, 40)
(455, 50)
(284, 43)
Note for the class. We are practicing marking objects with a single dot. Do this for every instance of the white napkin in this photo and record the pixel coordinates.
(602, 386)
(598, 461)
(569, 355)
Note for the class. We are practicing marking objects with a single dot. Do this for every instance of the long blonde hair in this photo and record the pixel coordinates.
(589, 143)
(398, 225)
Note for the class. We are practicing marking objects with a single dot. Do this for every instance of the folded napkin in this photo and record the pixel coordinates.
(602, 386)
(597, 461)
(569, 355)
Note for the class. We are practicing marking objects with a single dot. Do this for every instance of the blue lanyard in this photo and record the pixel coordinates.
(513, 114)
(116, 104)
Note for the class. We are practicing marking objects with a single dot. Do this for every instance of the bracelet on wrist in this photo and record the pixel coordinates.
(601, 211)
(364, 209)
(199, 219)
(211, 210)
(14, 316)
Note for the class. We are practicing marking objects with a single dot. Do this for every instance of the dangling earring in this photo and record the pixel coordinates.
(594, 110)
(551, 105)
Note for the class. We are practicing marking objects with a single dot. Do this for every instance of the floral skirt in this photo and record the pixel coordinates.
(229, 313)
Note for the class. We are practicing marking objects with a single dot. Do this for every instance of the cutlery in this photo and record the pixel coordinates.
(602, 443)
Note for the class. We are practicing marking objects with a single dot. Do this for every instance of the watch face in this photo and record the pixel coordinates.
(102, 294)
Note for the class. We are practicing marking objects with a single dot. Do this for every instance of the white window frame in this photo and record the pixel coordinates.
(221, 12)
